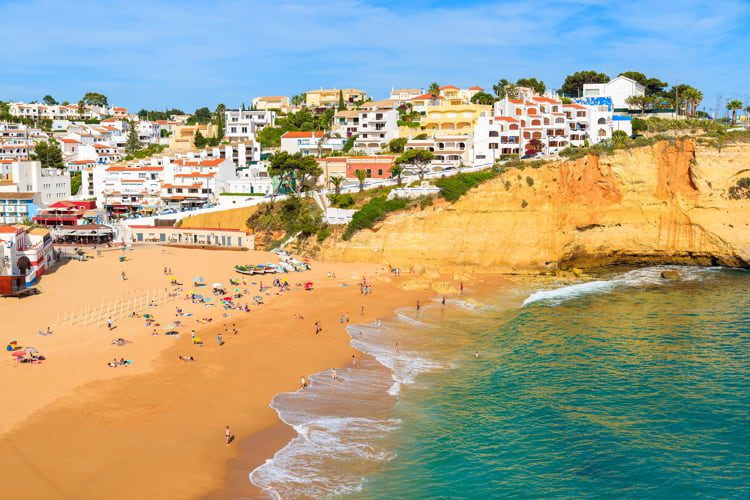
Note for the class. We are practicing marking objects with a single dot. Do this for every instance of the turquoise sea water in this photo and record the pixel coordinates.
(628, 386)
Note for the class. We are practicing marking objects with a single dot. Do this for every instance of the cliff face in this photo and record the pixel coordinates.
(662, 204)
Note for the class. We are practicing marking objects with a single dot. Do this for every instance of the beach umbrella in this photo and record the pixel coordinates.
(217, 285)
(228, 299)
(147, 316)
(18, 353)
(198, 279)
(172, 278)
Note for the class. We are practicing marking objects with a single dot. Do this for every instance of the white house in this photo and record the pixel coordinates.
(618, 89)
(309, 143)
(376, 128)
(28, 176)
(243, 124)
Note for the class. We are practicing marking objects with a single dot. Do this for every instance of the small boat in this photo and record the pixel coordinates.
(244, 269)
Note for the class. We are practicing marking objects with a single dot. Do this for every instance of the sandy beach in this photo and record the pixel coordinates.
(72, 427)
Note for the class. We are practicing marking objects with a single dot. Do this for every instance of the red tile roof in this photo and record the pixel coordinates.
(301, 135)
(476, 87)
(446, 87)
(134, 169)
(506, 118)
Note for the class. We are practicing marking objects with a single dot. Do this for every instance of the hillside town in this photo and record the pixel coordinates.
(92, 172)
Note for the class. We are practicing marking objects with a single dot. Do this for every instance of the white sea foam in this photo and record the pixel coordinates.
(649, 276)
(341, 421)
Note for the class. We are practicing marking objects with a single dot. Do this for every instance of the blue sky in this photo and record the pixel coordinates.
(163, 53)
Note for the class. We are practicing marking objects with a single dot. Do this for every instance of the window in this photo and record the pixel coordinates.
(601, 121)
(380, 171)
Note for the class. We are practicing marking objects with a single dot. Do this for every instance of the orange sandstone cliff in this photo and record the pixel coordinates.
(667, 203)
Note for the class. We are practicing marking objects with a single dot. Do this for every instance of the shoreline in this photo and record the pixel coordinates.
(262, 446)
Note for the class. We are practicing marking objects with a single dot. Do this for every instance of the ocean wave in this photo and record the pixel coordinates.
(648, 276)
(342, 415)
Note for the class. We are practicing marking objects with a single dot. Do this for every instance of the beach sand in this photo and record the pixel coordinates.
(74, 428)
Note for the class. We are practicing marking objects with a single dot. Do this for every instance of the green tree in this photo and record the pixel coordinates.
(693, 98)
(397, 145)
(537, 85)
(342, 104)
(270, 137)
(294, 171)
(201, 115)
(48, 153)
(95, 99)
(299, 99)
(199, 141)
(619, 137)
(81, 108)
(419, 158)
(483, 98)
(397, 171)
(639, 101)
(734, 105)
(219, 119)
(49, 100)
(500, 88)
(336, 181)
(421, 137)
(133, 144)
(349, 144)
(361, 177)
(75, 183)
(434, 90)
(653, 85)
(573, 85)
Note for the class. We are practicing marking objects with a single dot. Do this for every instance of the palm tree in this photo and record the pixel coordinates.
(361, 176)
(336, 182)
(434, 91)
(734, 106)
(397, 171)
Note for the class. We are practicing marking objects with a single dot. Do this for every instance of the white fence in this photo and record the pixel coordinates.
(139, 301)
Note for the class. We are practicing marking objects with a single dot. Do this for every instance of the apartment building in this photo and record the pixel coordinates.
(329, 98)
(449, 150)
(191, 184)
(127, 189)
(346, 123)
(403, 96)
(453, 118)
(376, 128)
(16, 207)
(618, 89)
(57, 112)
(183, 136)
(242, 125)
(447, 95)
(272, 103)
(24, 257)
(28, 176)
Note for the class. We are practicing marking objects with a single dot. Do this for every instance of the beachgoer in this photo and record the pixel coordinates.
(461, 288)
(362, 311)
(220, 339)
(334, 377)
(419, 306)
(476, 354)
(318, 328)
(228, 435)
(110, 323)
(303, 383)
(123, 276)
(354, 360)
(154, 333)
(443, 301)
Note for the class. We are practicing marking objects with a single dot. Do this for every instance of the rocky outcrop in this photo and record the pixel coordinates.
(667, 203)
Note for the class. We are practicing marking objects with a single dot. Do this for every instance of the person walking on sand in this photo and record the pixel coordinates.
(228, 434)
(461, 288)
(334, 377)
(362, 311)
(419, 306)
(110, 323)
(303, 383)
(123, 276)
(354, 360)
(443, 301)
(318, 328)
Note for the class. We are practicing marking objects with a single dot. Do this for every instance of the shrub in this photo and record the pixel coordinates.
(425, 201)
(343, 200)
(452, 188)
(529, 181)
(524, 203)
(323, 233)
(741, 189)
(373, 212)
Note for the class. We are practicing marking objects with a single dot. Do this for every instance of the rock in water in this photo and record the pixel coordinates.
(670, 274)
